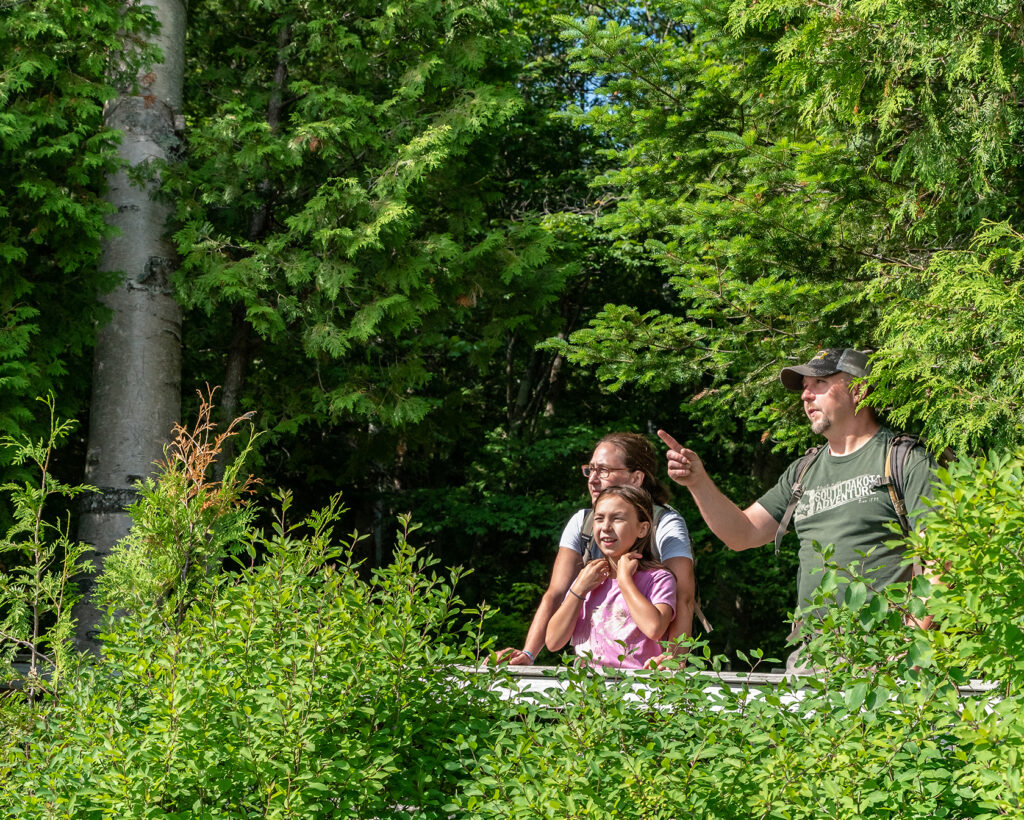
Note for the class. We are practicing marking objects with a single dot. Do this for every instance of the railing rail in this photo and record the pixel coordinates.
(525, 680)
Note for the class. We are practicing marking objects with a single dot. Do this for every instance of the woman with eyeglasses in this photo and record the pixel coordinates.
(618, 459)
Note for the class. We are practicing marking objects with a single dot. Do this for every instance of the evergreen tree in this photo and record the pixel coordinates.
(59, 62)
(816, 176)
(331, 216)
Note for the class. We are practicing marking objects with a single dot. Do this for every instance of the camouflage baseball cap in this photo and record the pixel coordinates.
(826, 362)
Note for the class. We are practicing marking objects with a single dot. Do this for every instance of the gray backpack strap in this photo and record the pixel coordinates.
(587, 536)
(798, 490)
(659, 511)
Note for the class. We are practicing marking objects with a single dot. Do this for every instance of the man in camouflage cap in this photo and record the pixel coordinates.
(844, 502)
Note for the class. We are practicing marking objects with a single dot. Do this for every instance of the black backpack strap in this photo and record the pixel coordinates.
(895, 472)
(797, 493)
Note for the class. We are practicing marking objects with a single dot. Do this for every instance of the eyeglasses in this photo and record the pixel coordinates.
(601, 472)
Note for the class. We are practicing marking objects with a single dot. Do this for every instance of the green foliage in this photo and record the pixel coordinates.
(337, 201)
(396, 356)
(882, 727)
(972, 546)
(36, 589)
(743, 208)
(854, 744)
(811, 175)
(956, 334)
(292, 686)
(292, 689)
(184, 525)
(60, 61)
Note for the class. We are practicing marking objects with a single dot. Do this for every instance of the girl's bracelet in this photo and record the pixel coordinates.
(574, 592)
(529, 654)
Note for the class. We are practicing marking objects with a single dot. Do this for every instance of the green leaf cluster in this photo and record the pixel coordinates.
(40, 561)
(60, 62)
(971, 542)
(337, 201)
(185, 524)
(296, 685)
(292, 688)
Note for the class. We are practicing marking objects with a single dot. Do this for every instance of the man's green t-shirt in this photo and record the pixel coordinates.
(845, 504)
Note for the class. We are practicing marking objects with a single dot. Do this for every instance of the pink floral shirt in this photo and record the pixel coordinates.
(606, 631)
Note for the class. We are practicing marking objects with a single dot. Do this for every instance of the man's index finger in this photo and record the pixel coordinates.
(669, 440)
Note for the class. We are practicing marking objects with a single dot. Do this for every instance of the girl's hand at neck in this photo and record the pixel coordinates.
(624, 567)
(593, 574)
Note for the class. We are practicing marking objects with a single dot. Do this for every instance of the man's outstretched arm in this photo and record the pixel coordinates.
(738, 529)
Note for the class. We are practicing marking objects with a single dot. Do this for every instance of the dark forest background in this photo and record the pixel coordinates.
(438, 248)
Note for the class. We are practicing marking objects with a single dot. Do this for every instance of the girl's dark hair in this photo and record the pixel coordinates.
(638, 454)
(641, 501)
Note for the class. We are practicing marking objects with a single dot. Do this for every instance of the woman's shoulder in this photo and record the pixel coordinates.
(668, 516)
(579, 517)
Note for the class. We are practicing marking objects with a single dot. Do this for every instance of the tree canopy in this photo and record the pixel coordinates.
(809, 175)
(439, 247)
(59, 62)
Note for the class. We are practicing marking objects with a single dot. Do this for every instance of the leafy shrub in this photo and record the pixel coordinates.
(881, 730)
(974, 536)
(828, 751)
(289, 687)
(36, 591)
(294, 689)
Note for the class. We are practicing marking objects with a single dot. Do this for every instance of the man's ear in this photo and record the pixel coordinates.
(859, 390)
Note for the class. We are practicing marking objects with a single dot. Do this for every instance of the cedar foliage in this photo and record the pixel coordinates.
(335, 203)
(60, 63)
(819, 175)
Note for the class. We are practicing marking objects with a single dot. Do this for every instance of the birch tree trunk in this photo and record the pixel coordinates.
(136, 393)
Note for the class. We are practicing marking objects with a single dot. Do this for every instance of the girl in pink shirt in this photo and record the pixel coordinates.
(620, 605)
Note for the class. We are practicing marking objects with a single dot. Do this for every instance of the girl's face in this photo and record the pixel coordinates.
(610, 461)
(617, 526)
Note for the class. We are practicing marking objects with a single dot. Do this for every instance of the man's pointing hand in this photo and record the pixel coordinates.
(684, 465)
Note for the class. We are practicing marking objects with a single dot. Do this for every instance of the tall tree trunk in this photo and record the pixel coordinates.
(234, 380)
(242, 337)
(136, 393)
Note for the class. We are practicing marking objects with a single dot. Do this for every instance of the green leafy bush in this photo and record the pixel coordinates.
(40, 559)
(294, 687)
(288, 687)
(883, 728)
(973, 539)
